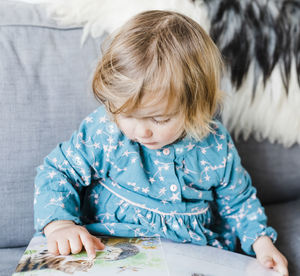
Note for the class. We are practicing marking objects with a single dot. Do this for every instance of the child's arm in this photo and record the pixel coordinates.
(59, 184)
(268, 255)
(63, 178)
(242, 211)
(65, 237)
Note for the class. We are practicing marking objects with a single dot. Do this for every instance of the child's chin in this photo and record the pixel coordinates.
(153, 146)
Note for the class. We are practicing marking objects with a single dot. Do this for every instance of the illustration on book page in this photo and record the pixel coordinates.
(121, 256)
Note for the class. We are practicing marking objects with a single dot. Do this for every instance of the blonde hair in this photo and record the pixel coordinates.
(167, 56)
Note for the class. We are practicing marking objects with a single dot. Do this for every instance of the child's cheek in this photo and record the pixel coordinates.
(125, 126)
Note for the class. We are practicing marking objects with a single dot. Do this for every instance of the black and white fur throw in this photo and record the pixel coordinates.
(260, 43)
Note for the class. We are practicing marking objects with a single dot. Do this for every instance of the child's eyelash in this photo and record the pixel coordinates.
(160, 122)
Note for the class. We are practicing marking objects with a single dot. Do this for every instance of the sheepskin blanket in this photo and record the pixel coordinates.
(260, 43)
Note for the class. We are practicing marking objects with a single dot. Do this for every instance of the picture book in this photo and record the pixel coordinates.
(121, 256)
(140, 257)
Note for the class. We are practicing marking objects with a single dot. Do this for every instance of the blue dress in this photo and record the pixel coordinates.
(188, 191)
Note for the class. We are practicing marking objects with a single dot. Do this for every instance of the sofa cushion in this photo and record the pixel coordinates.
(9, 258)
(45, 80)
(286, 220)
(275, 170)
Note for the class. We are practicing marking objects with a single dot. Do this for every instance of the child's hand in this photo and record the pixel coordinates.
(268, 255)
(64, 237)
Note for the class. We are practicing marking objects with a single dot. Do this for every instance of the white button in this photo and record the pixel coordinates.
(166, 151)
(173, 188)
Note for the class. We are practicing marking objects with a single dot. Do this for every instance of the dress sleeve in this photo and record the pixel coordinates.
(64, 174)
(237, 202)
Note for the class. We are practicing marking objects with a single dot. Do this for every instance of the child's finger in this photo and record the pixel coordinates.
(88, 244)
(52, 247)
(268, 262)
(98, 244)
(75, 244)
(281, 266)
(64, 247)
(282, 270)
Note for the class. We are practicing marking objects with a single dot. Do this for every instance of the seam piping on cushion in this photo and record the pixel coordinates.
(42, 26)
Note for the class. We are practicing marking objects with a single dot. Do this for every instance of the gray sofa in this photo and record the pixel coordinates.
(45, 90)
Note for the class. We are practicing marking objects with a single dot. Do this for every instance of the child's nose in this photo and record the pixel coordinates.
(142, 131)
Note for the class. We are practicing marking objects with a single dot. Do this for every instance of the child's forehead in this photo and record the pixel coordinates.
(154, 108)
(143, 112)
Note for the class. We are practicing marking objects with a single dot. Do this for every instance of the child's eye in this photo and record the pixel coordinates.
(159, 121)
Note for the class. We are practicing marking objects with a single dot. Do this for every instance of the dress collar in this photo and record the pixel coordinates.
(179, 147)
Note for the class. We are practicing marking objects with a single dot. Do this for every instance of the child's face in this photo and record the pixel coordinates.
(150, 127)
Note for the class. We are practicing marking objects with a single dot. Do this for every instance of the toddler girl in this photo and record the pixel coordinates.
(152, 160)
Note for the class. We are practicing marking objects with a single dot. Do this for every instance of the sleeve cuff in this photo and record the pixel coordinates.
(247, 242)
(39, 226)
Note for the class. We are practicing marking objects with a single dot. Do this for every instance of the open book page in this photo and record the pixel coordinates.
(194, 260)
(121, 256)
